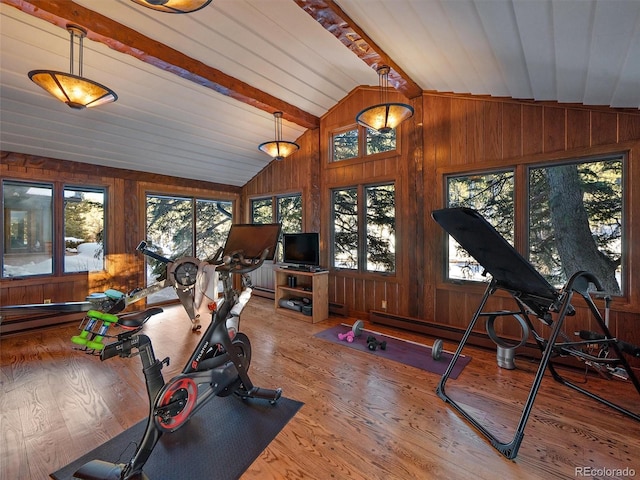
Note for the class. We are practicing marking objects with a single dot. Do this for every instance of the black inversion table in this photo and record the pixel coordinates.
(533, 295)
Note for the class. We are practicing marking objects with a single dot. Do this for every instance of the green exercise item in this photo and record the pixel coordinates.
(95, 343)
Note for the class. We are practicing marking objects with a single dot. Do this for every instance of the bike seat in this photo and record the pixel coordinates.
(137, 319)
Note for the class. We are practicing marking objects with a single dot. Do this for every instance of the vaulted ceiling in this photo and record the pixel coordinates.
(196, 92)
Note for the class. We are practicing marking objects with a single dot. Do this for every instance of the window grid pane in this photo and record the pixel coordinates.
(84, 216)
(575, 221)
(28, 240)
(290, 213)
(262, 211)
(213, 222)
(290, 216)
(491, 194)
(170, 234)
(380, 142)
(345, 228)
(345, 145)
(381, 229)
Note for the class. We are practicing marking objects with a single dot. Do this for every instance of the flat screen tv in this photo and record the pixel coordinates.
(302, 249)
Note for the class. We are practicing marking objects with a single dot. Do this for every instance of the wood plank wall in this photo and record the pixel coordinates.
(456, 133)
(126, 191)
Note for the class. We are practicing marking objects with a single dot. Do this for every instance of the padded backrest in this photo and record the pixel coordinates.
(510, 270)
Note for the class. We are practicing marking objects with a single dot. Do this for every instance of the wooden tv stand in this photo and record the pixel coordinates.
(311, 285)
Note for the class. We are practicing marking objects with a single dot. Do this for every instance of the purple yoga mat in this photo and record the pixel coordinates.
(409, 353)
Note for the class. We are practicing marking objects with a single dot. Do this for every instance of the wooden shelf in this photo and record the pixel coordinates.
(311, 285)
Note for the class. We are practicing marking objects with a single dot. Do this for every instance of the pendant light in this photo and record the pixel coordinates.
(174, 6)
(74, 90)
(385, 116)
(278, 149)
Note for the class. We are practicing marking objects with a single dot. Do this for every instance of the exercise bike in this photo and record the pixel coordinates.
(217, 367)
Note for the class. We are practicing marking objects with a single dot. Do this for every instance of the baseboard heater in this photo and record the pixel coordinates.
(442, 331)
(264, 292)
(23, 324)
(338, 309)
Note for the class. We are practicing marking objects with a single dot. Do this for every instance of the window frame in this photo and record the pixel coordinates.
(276, 216)
(169, 296)
(58, 229)
(361, 216)
(362, 146)
(105, 251)
(521, 170)
(624, 238)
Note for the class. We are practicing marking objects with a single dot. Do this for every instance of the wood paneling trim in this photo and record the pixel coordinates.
(67, 169)
(543, 158)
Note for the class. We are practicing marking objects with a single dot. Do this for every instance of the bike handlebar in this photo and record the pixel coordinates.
(236, 263)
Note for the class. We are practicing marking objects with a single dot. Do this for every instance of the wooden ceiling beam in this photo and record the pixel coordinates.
(126, 40)
(328, 14)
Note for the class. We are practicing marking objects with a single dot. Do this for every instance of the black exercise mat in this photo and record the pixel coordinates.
(221, 441)
(402, 351)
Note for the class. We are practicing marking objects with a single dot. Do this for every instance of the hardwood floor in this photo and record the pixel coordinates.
(363, 418)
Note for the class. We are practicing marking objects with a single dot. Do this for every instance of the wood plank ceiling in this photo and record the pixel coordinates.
(196, 91)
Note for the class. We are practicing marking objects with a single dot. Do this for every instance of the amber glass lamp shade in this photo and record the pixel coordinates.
(386, 115)
(174, 6)
(278, 149)
(74, 90)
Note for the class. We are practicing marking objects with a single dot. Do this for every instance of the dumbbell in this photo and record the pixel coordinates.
(349, 336)
(373, 343)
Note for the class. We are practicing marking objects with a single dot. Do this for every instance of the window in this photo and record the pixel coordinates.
(492, 195)
(213, 222)
(30, 245)
(380, 142)
(28, 229)
(347, 144)
(575, 221)
(262, 210)
(345, 228)
(288, 213)
(183, 226)
(574, 218)
(84, 229)
(367, 245)
(380, 246)
(170, 225)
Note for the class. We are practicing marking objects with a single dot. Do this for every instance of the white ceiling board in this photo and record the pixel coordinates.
(535, 26)
(517, 48)
(628, 86)
(614, 27)
(501, 29)
(573, 24)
